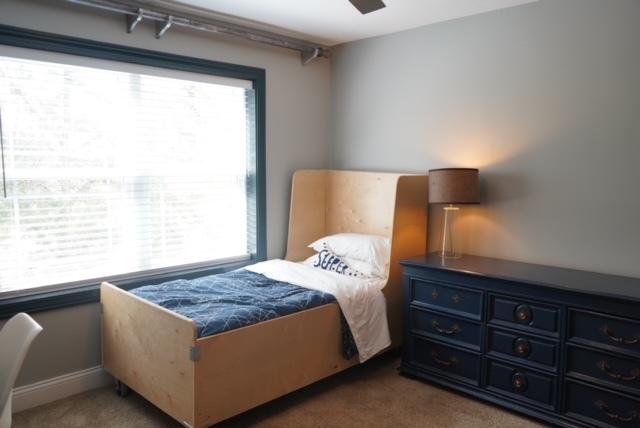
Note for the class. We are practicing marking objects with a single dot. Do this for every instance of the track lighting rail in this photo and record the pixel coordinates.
(164, 20)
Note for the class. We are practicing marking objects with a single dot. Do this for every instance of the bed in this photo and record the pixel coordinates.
(202, 381)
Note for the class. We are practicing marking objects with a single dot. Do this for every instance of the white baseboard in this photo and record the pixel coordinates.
(46, 391)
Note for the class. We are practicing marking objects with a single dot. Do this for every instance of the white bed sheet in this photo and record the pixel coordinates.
(361, 300)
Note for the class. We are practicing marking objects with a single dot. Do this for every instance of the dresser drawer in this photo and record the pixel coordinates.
(523, 314)
(521, 384)
(447, 297)
(445, 360)
(449, 329)
(531, 350)
(601, 407)
(618, 372)
(603, 330)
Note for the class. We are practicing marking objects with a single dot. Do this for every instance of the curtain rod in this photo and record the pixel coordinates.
(165, 19)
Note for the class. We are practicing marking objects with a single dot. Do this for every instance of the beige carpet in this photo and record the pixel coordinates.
(371, 395)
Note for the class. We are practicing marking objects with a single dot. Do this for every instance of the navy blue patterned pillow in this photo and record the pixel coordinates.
(327, 260)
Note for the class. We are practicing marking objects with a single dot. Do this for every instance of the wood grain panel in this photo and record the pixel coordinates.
(148, 348)
(409, 239)
(307, 212)
(246, 367)
(360, 202)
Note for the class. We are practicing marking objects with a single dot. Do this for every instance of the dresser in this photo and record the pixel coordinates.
(560, 345)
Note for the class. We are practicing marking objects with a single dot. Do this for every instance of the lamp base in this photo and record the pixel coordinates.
(450, 248)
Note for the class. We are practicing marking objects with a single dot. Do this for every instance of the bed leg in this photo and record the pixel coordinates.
(122, 389)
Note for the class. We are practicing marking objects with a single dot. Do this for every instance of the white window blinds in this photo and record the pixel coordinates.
(115, 172)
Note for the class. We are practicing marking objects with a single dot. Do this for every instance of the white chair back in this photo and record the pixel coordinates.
(15, 340)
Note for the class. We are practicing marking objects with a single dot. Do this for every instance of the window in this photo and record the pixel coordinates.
(112, 169)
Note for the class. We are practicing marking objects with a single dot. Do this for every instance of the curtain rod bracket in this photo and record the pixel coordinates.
(134, 20)
(309, 56)
(162, 27)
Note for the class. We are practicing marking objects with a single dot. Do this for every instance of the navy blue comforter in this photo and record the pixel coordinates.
(218, 303)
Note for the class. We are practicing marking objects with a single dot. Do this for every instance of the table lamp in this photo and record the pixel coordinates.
(452, 186)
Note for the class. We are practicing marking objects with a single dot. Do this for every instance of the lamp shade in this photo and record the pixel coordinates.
(454, 186)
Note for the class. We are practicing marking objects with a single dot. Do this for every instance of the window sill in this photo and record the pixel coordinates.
(66, 297)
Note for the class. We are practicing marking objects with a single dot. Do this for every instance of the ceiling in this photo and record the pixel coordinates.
(332, 22)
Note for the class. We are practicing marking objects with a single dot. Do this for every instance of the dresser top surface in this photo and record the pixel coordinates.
(605, 285)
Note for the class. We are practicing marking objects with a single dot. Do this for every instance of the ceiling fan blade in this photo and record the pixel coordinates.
(366, 6)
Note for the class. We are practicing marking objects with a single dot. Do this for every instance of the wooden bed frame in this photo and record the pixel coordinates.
(201, 381)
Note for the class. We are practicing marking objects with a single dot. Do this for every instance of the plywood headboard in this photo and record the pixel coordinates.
(324, 202)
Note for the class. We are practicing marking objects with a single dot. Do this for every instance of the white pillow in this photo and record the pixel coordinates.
(327, 260)
(371, 249)
(363, 269)
(367, 269)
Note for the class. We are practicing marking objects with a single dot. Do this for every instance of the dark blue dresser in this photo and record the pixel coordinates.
(560, 345)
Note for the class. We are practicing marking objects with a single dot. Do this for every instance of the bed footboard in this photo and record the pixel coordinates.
(246, 367)
(151, 350)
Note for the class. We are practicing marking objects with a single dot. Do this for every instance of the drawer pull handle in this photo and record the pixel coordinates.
(634, 374)
(607, 332)
(522, 347)
(519, 382)
(523, 314)
(450, 363)
(434, 294)
(455, 329)
(455, 299)
(632, 416)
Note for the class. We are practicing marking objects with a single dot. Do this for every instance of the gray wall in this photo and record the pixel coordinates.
(70, 342)
(297, 120)
(544, 98)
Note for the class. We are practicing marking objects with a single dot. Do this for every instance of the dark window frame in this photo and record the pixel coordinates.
(76, 295)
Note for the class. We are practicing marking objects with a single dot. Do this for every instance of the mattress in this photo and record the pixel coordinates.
(231, 300)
